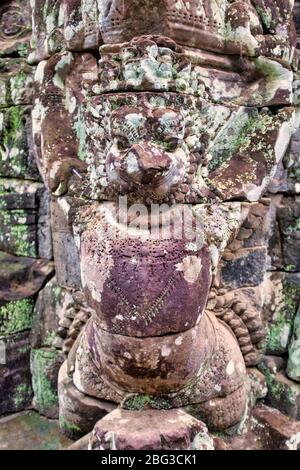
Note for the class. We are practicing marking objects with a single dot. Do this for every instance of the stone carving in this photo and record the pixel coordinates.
(155, 121)
(15, 28)
(25, 237)
(193, 304)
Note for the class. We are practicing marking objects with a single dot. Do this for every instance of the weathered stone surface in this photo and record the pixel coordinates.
(81, 28)
(293, 366)
(289, 223)
(48, 311)
(153, 369)
(15, 316)
(283, 393)
(20, 280)
(78, 413)
(258, 385)
(241, 310)
(16, 156)
(201, 24)
(284, 245)
(81, 444)
(15, 28)
(45, 364)
(276, 431)
(206, 121)
(292, 164)
(15, 378)
(65, 251)
(22, 277)
(16, 82)
(71, 24)
(24, 229)
(150, 430)
(247, 268)
(44, 229)
(165, 64)
(189, 164)
(282, 296)
(31, 431)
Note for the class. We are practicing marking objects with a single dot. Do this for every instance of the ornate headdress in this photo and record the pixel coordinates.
(260, 27)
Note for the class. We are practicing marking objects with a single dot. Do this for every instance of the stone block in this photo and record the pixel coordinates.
(24, 227)
(22, 277)
(257, 385)
(16, 82)
(15, 316)
(289, 221)
(276, 431)
(288, 241)
(45, 364)
(78, 413)
(20, 280)
(283, 393)
(48, 311)
(246, 269)
(282, 296)
(65, 251)
(71, 24)
(16, 156)
(150, 430)
(293, 366)
(15, 378)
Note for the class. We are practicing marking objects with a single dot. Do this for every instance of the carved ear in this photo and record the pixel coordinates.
(221, 223)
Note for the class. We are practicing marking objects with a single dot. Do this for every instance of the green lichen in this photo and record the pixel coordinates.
(279, 330)
(80, 129)
(266, 16)
(141, 402)
(14, 123)
(281, 394)
(45, 394)
(57, 293)
(23, 49)
(224, 148)
(22, 245)
(294, 227)
(71, 428)
(22, 395)
(50, 337)
(16, 316)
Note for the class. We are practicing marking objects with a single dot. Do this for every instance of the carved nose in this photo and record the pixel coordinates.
(145, 164)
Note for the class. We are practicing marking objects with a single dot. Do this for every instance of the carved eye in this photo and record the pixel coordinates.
(12, 22)
(171, 143)
(122, 142)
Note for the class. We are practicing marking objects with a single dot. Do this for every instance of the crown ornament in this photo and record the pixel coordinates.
(158, 64)
(259, 27)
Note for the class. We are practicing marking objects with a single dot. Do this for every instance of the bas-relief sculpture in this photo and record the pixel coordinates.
(199, 119)
(165, 120)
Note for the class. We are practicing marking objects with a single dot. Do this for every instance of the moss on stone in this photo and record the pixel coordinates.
(16, 316)
(140, 402)
(45, 394)
(22, 395)
(11, 132)
(282, 393)
(80, 129)
(280, 329)
(71, 429)
(23, 246)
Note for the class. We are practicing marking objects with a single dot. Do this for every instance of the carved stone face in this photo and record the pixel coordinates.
(177, 148)
(148, 151)
(15, 27)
